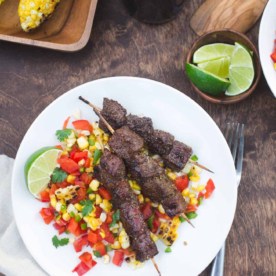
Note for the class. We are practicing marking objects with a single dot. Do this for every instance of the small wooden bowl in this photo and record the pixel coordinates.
(230, 37)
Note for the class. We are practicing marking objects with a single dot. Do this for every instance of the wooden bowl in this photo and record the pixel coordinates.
(230, 37)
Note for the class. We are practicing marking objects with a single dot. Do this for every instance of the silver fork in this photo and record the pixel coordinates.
(235, 138)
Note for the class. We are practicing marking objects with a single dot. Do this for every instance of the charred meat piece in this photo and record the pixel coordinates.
(140, 125)
(113, 113)
(174, 205)
(124, 142)
(161, 142)
(141, 167)
(178, 157)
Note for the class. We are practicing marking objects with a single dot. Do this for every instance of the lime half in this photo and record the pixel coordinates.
(39, 167)
(205, 81)
(218, 67)
(212, 52)
(241, 71)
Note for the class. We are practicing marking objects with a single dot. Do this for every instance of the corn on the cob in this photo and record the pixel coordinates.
(32, 13)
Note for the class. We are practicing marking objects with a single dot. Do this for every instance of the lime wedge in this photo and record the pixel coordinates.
(39, 167)
(241, 71)
(205, 81)
(212, 52)
(218, 67)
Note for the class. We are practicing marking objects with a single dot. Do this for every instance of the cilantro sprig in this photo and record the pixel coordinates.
(87, 207)
(58, 175)
(59, 242)
(63, 134)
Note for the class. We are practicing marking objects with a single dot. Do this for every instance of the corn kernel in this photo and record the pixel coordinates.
(161, 209)
(140, 198)
(193, 201)
(135, 186)
(94, 185)
(103, 217)
(200, 188)
(124, 239)
(92, 196)
(147, 199)
(191, 195)
(82, 143)
(53, 201)
(106, 259)
(81, 162)
(66, 216)
(88, 170)
(102, 233)
(172, 175)
(154, 237)
(275, 66)
(106, 205)
(116, 245)
(78, 206)
(98, 199)
(195, 178)
(71, 178)
(185, 192)
(92, 148)
(93, 223)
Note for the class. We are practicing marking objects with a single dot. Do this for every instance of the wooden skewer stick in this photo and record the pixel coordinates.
(200, 166)
(98, 112)
(156, 266)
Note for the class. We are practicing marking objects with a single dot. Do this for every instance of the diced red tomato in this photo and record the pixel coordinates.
(98, 211)
(81, 269)
(146, 211)
(190, 208)
(81, 194)
(108, 218)
(72, 226)
(127, 252)
(182, 182)
(155, 224)
(82, 125)
(53, 189)
(210, 187)
(86, 178)
(65, 124)
(104, 193)
(273, 56)
(118, 257)
(163, 216)
(87, 259)
(108, 234)
(93, 237)
(44, 196)
(100, 247)
(78, 156)
(80, 183)
(47, 214)
(80, 242)
(87, 163)
(68, 165)
(61, 229)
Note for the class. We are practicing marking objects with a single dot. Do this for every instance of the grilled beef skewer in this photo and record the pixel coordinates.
(111, 172)
(174, 153)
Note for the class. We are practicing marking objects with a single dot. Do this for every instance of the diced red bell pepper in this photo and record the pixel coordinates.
(81, 269)
(93, 237)
(163, 216)
(100, 247)
(68, 165)
(86, 178)
(273, 56)
(44, 196)
(61, 229)
(108, 234)
(65, 124)
(80, 242)
(190, 208)
(53, 188)
(146, 211)
(72, 226)
(118, 257)
(98, 211)
(108, 218)
(210, 187)
(47, 214)
(87, 259)
(104, 193)
(155, 224)
(181, 182)
(87, 163)
(78, 156)
(82, 125)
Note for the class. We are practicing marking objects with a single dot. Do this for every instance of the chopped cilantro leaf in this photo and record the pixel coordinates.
(97, 253)
(115, 218)
(63, 134)
(59, 242)
(87, 207)
(194, 158)
(58, 175)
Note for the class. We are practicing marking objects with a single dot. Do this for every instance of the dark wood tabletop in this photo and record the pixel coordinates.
(31, 78)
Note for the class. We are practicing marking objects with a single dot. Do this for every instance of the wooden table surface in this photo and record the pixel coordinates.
(31, 78)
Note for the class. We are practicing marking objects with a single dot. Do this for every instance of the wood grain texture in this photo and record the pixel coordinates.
(238, 15)
(31, 78)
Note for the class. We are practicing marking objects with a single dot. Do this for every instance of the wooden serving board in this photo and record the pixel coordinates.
(238, 15)
(68, 29)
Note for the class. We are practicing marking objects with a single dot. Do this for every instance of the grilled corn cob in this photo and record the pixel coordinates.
(32, 13)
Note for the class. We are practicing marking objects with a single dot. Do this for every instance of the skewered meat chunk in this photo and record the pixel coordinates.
(113, 113)
(124, 142)
(178, 156)
(161, 142)
(141, 125)
(124, 199)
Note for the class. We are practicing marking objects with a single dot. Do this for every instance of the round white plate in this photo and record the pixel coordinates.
(267, 35)
(170, 110)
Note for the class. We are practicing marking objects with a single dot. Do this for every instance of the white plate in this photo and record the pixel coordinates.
(267, 35)
(171, 111)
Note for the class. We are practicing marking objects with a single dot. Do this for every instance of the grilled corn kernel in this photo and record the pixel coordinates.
(193, 201)
(103, 217)
(161, 209)
(66, 216)
(93, 223)
(102, 233)
(82, 143)
(58, 206)
(191, 195)
(195, 178)
(71, 179)
(78, 206)
(98, 199)
(147, 199)
(66, 193)
(106, 205)
(172, 175)
(106, 259)
(134, 185)
(200, 188)
(33, 12)
(53, 201)
(88, 170)
(71, 208)
(140, 198)
(124, 239)
(92, 196)
(154, 237)
(92, 148)
(116, 245)
(94, 185)
(168, 231)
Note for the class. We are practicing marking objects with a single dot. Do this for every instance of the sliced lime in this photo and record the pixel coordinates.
(39, 167)
(218, 67)
(241, 71)
(205, 81)
(212, 52)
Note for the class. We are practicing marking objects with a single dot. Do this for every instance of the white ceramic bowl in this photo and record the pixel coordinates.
(267, 35)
